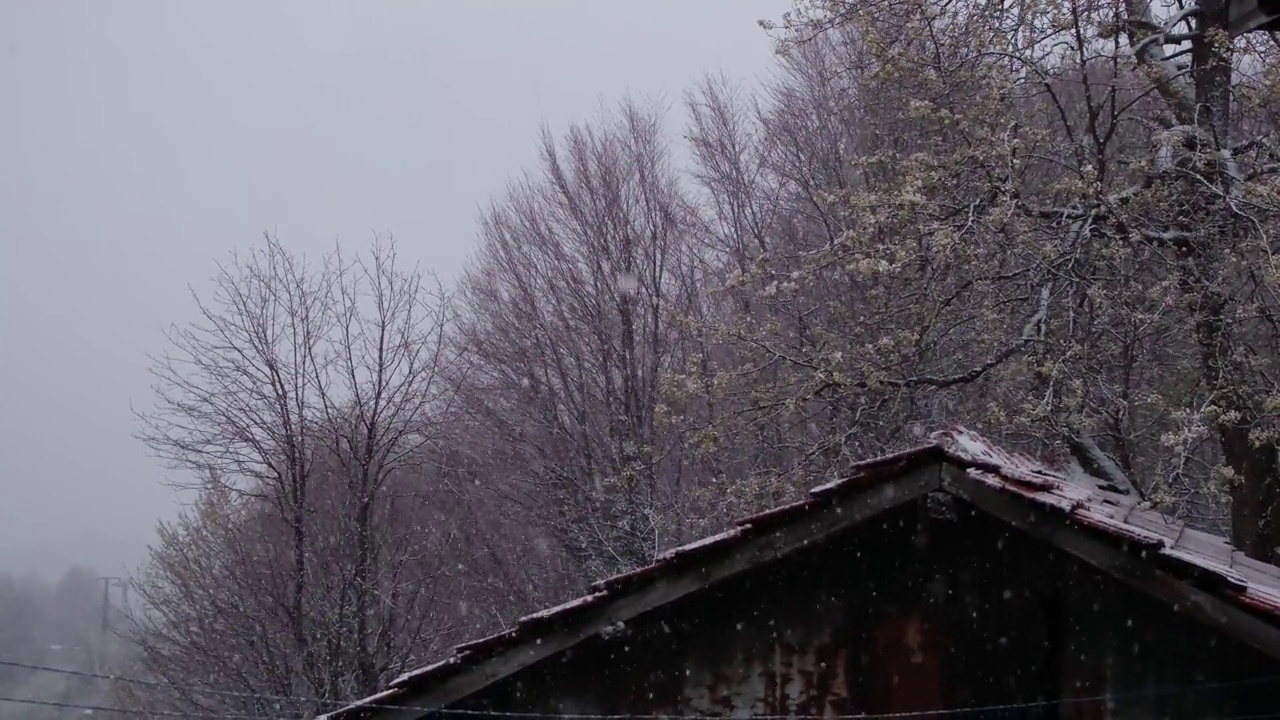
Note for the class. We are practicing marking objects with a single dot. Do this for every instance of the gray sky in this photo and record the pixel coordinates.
(139, 141)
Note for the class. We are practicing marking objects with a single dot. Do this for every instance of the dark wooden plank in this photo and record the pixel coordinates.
(1143, 575)
(824, 521)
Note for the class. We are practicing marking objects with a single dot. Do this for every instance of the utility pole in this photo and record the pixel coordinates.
(107, 582)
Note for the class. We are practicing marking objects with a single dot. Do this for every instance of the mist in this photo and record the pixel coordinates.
(142, 141)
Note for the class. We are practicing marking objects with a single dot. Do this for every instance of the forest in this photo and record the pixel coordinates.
(1042, 220)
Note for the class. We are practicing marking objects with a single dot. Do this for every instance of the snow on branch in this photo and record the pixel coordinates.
(1149, 51)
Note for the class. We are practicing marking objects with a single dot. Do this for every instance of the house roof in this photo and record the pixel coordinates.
(1084, 515)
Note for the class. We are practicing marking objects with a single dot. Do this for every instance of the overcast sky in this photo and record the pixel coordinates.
(140, 141)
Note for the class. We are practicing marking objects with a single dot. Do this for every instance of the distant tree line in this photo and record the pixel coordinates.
(1037, 222)
(56, 625)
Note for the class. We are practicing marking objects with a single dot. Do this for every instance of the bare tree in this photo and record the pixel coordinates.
(511, 568)
(237, 399)
(214, 609)
(306, 399)
(382, 394)
(568, 332)
(213, 623)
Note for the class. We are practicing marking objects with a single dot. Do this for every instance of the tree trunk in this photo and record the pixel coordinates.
(366, 671)
(1254, 492)
(297, 597)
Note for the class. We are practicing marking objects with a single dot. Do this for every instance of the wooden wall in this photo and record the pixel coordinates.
(909, 612)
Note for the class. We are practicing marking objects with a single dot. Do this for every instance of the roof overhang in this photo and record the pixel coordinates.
(699, 566)
(1010, 487)
(1122, 559)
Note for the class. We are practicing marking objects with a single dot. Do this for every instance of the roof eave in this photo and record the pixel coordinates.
(831, 513)
(1107, 552)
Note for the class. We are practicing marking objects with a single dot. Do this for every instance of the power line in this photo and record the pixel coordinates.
(1168, 691)
(163, 685)
(883, 716)
(865, 716)
(126, 711)
(954, 712)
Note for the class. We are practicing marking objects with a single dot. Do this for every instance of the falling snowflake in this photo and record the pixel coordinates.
(628, 283)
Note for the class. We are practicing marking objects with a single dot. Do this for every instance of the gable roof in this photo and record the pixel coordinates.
(1080, 514)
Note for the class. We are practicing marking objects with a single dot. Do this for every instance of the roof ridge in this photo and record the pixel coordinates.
(970, 449)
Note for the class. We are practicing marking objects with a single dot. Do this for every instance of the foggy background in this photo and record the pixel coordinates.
(140, 141)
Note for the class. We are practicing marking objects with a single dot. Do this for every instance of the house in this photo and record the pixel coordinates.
(953, 577)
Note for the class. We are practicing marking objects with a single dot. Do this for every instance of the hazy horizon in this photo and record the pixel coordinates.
(142, 141)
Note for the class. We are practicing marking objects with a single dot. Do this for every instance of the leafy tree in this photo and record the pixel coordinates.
(1054, 220)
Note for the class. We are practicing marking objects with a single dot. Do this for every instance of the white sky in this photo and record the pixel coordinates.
(139, 141)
